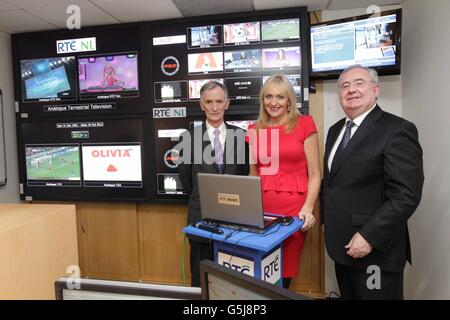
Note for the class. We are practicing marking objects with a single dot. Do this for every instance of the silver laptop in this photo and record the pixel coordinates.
(234, 202)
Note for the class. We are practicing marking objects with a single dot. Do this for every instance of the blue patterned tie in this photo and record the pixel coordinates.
(348, 133)
(218, 153)
(345, 139)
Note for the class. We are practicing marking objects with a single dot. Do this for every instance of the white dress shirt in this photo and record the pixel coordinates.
(223, 133)
(357, 122)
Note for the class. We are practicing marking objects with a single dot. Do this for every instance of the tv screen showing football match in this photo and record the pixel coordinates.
(206, 62)
(280, 30)
(242, 60)
(112, 165)
(48, 79)
(53, 165)
(241, 33)
(111, 76)
(171, 91)
(204, 37)
(281, 58)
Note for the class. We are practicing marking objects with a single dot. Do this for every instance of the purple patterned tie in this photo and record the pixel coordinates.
(218, 153)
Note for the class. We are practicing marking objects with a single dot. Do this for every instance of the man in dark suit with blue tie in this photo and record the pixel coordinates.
(213, 147)
(373, 179)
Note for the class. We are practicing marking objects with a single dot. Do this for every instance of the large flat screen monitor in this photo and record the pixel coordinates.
(372, 41)
(48, 79)
(205, 36)
(221, 283)
(53, 165)
(95, 289)
(241, 33)
(280, 30)
(108, 76)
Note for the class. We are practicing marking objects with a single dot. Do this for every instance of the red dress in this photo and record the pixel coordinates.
(284, 181)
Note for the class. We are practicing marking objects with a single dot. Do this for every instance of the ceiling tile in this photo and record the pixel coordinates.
(139, 10)
(351, 4)
(4, 6)
(21, 21)
(26, 4)
(90, 15)
(207, 7)
(312, 5)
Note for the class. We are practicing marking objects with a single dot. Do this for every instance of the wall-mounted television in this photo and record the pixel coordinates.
(108, 76)
(295, 80)
(243, 88)
(372, 41)
(204, 36)
(196, 85)
(241, 33)
(205, 62)
(280, 30)
(112, 165)
(242, 60)
(281, 58)
(171, 91)
(48, 79)
(56, 165)
(239, 49)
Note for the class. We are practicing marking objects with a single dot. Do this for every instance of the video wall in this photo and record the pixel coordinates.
(85, 121)
(83, 158)
(239, 52)
(102, 81)
(167, 133)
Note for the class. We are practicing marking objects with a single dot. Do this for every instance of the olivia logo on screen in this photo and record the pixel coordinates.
(112, 163)
(117, 153)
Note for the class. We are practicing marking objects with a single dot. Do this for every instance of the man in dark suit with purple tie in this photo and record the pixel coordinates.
(213, 147)
(373, 179)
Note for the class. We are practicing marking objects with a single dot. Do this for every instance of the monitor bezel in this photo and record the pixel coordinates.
(245, 281)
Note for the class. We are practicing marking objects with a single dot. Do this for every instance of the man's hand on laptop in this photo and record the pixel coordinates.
(308, 219)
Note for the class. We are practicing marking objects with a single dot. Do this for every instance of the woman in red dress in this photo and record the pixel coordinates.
(285, 153)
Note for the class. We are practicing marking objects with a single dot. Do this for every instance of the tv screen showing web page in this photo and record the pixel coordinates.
(369, 42)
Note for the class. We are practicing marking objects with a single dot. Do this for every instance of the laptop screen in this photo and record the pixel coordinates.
(231, 199)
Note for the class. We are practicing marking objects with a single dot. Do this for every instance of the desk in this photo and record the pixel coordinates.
(255, 254)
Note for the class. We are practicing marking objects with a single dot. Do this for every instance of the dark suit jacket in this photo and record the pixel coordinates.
(235, 160)
(373, 189)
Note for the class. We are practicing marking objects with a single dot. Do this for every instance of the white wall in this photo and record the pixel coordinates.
(425, 85)
(390, 101)
(10, 193)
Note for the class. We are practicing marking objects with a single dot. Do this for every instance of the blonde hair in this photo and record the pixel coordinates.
(282, 82)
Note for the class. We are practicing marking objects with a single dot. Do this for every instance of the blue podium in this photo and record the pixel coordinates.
(255, 254)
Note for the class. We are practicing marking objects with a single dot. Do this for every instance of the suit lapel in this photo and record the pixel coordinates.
(366, 126)
(228, 140)
(331, 139)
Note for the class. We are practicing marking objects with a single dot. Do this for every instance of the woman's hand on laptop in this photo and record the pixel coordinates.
(308, 219)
